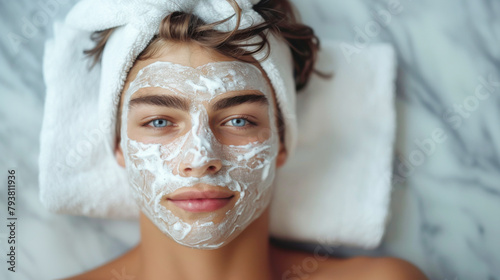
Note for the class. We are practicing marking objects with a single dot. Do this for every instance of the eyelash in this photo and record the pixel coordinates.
(250, 123)
(150, 125)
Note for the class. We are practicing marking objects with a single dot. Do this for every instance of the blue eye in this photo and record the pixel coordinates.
(160, 123)
(240, 122)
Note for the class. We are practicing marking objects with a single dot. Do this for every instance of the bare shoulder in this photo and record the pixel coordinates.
(122, 267)
(390, 268)
(96, 273)
(369, 268)
(295, 265)
(379, 268)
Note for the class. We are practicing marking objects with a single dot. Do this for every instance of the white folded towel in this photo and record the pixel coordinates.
(79, 174)
(336, 189)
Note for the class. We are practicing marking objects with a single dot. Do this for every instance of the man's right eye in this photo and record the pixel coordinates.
(159, 123)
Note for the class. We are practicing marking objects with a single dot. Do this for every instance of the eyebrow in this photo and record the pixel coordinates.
(161, 100)
(238, 100)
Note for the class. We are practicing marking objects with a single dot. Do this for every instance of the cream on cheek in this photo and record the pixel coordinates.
(154, 170)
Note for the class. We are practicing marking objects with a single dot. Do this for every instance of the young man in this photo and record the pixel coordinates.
(200, 135)
(165, 115)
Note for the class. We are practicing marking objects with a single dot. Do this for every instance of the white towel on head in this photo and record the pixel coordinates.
(79, 174)
(336, 189)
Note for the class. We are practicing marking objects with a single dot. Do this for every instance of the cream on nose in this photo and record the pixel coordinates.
(211, 167)
(199, 157)
(199, 160)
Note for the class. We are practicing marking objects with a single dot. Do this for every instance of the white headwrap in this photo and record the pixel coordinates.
(78, 171)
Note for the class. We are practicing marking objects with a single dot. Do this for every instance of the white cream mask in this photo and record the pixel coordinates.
(154, 168)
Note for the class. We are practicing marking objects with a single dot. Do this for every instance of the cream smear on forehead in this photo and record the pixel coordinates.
(154, 169)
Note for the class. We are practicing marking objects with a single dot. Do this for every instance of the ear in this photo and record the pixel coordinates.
(282, 156)
(119, 154)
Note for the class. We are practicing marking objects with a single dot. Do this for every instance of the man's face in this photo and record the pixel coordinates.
(199, 142)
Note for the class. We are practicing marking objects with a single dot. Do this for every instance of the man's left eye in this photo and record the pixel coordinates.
(159, 123)
(238, 122)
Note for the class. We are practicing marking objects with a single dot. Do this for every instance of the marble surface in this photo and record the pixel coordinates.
(446, 181)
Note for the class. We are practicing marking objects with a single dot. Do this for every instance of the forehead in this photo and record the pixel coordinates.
(202, 83)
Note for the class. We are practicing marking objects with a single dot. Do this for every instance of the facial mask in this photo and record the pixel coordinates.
(154, 168)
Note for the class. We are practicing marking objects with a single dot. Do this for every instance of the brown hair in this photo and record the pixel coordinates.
(278, 16)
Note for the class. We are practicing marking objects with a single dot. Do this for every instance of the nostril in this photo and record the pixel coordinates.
(211, 168)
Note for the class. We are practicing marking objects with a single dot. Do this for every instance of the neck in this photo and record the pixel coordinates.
(246, 257)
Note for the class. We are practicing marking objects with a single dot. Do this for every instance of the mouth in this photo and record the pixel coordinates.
(201, 201)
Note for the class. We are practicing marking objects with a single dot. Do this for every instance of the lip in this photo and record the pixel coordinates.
(201, 201)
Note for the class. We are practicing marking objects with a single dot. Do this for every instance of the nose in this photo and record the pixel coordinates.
(209, 168)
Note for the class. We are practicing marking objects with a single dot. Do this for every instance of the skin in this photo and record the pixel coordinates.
(249, 255)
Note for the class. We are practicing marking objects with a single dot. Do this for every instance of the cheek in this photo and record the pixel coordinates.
(239, 138)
